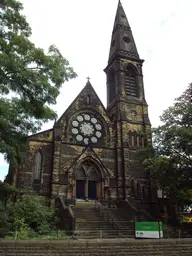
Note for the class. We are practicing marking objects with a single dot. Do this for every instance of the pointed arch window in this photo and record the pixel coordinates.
(136, 140)
(37, 166)
(131, 82)
(140, 141)
(130, 139)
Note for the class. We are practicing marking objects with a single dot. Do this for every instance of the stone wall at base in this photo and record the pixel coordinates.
(107, 247)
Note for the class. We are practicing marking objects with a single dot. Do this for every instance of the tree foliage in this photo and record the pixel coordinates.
(28, 215)
(170, 162)
(30, 80)
(8, 192)
(32, 211)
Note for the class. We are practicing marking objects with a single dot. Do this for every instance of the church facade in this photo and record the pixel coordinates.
(90, 153)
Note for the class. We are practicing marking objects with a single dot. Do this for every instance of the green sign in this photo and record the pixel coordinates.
(148, 230)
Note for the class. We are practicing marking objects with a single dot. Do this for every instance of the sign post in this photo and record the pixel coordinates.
(148, 230)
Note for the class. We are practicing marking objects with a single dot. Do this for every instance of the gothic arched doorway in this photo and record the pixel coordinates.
(80, 184)
(88, 181)
(94, 180)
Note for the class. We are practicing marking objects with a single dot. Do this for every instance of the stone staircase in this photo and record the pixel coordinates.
(90, 225)
(126, 228)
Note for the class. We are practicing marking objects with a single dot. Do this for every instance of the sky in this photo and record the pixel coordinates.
(82, 29)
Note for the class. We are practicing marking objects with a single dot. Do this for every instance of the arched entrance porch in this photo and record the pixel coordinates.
(89, 184)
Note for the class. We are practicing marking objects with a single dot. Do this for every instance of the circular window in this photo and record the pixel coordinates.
(98, 134)
(94, 139)
(87, 117)
(75, 123)
(86, 141)
(126, 39)
(79, 138)
(86, 129)
(75, 131)
(80, 118)
(94, 120)
(98, 127)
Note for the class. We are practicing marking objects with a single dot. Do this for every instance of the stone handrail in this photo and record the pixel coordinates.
(148, 215)
(131, 210)
(67, 218)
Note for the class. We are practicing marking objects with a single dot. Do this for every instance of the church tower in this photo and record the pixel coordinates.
(126, 105)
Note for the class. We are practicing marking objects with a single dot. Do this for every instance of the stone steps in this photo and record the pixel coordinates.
(89, 225)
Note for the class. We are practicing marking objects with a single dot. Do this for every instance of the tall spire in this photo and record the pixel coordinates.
(122, 42)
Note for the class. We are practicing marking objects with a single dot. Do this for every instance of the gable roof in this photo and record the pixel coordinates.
(88, 90)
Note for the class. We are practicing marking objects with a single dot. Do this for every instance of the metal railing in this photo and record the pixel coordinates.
(106, 216)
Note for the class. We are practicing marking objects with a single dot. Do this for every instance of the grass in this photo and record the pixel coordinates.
(51, 235)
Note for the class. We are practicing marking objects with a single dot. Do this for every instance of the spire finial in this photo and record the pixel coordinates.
(88, 79)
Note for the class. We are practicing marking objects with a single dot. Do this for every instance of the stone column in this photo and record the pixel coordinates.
(102, 189)
(56, 168)
(98, 190)
(74, 189)
(86, 189)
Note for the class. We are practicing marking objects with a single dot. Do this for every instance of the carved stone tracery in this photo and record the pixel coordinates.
(88, 171)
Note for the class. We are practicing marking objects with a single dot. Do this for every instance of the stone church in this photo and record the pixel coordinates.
(90, 153)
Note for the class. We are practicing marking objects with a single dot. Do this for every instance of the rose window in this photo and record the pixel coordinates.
(86, 129)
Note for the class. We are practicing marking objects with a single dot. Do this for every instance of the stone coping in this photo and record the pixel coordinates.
(93, 242)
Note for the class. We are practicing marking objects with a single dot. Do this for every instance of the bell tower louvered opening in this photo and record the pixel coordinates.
(131, 88)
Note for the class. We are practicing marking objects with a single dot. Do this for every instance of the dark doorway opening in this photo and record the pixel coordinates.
(92, 190)
(80, 189)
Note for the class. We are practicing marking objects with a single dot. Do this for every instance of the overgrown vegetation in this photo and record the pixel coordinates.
(28, 216)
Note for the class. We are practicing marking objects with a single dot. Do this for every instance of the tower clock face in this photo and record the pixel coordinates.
(86, 129)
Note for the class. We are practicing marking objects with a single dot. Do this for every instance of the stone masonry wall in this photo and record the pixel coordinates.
(121, 247)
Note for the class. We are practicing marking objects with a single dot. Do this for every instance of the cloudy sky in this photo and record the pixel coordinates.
(82, 29)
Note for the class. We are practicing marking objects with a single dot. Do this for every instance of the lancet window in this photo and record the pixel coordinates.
(37, 166)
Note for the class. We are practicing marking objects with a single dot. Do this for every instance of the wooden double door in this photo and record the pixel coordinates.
(82, 192)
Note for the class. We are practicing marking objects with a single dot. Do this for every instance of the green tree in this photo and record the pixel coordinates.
(30, 80)
(5, 225)
(33, 211)
(170, 162)
(8, 192)
(28, 215)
